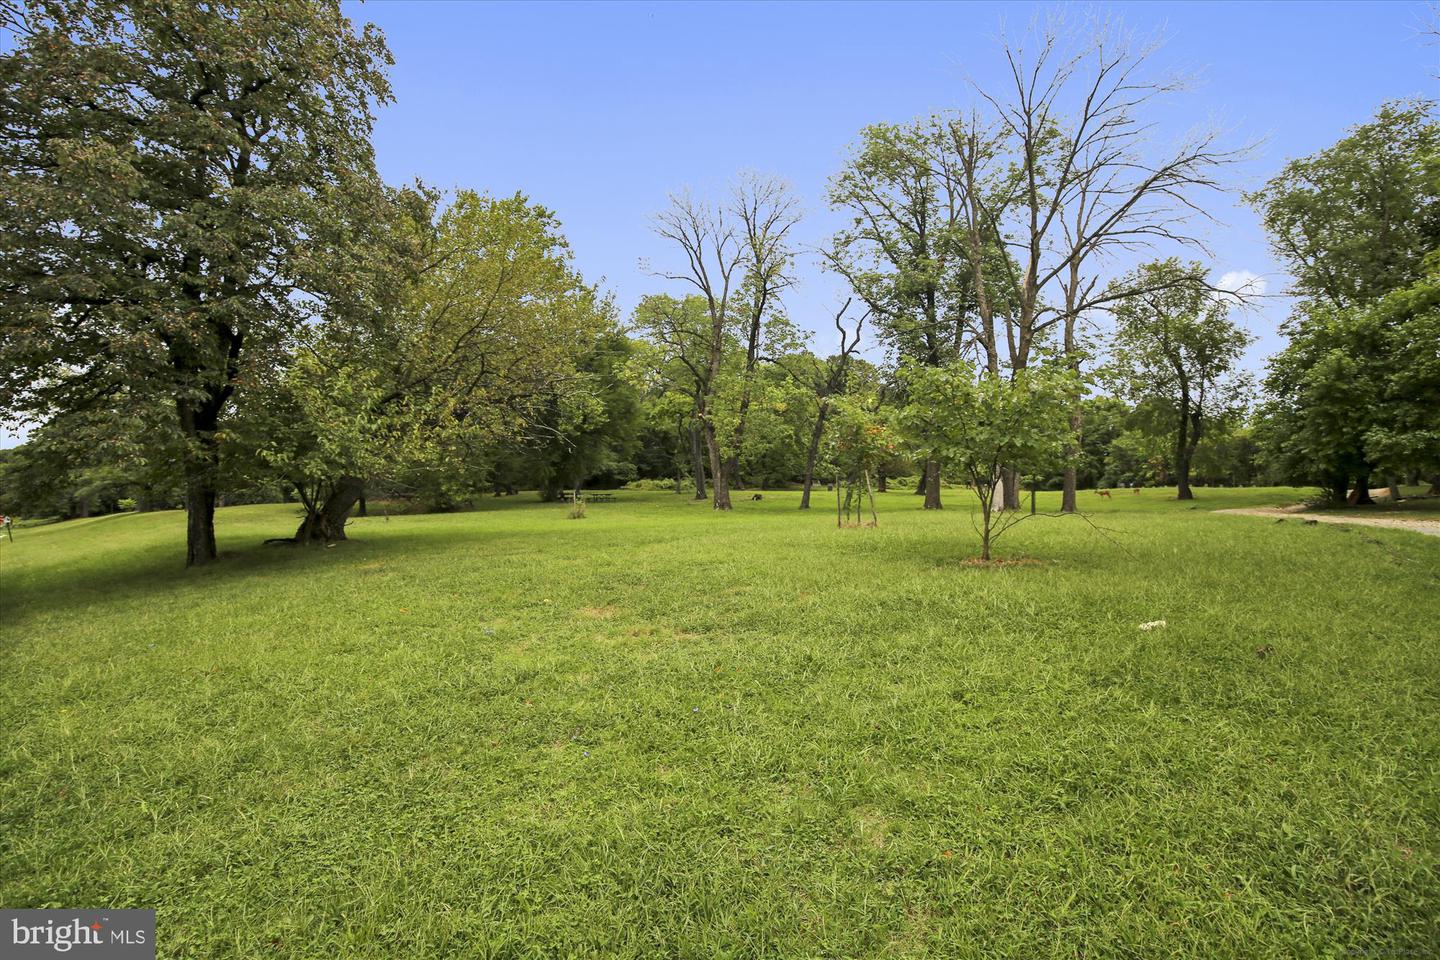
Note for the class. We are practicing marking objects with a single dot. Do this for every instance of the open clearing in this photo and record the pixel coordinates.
(660, 731)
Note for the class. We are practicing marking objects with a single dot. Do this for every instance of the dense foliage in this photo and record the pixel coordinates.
(209, 297)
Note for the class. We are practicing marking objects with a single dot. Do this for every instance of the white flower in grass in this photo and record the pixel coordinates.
(1153, 625)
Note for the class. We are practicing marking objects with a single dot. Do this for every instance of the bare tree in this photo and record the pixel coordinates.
(737, 258)
(1065, 175)
(766, 213)
(713, 255)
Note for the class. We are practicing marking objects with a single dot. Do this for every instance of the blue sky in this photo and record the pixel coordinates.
(599, 110)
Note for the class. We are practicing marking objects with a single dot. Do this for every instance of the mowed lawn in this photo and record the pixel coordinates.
(661, 732)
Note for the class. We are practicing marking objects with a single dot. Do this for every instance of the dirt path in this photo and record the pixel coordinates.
(1428, 527)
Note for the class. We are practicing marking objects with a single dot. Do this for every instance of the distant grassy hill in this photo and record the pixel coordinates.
(661, 732)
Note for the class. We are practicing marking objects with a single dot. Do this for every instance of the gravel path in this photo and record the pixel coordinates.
(1428, 527)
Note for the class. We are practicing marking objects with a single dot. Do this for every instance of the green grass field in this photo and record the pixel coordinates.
(659, 732)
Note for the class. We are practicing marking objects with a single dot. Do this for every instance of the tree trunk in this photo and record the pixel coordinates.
(932, 485)
(201, 465)
(1183, 448)
(816, 433)
(1182, 477)
(199, 519)
(987, 503)
(718, 479)
(1077, 414)
(325, 522)
(1360, 496)
(1011, 488)
(880, 485)
(1394, 485)
(1067, 491)
(1067, 487)
(697, 458)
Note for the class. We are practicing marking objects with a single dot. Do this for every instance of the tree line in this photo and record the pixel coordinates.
(208, 295)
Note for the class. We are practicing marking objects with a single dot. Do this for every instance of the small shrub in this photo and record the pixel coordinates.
(126, 503)
(577, 510)
(651, 483)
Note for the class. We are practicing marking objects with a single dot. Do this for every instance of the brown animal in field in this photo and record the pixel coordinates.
(1137, 491)
(1103, 493)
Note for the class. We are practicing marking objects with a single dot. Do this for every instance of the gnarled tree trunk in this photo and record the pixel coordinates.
(325, 519)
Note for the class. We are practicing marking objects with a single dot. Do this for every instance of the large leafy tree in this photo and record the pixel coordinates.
(592, 426)
(477, 350)
(1358, 390)
(1175, 343)
(1357, 225)
(672, 382)
(171, 171)
(681, 377)
(1406, 436)
(1357, 219)
(904, 255)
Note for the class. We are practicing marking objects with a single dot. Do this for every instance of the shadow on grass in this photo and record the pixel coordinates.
(157, 569)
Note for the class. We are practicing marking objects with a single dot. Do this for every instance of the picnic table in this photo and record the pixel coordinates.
(569, 495)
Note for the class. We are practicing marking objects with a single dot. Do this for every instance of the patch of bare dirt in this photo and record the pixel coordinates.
(598, 613)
